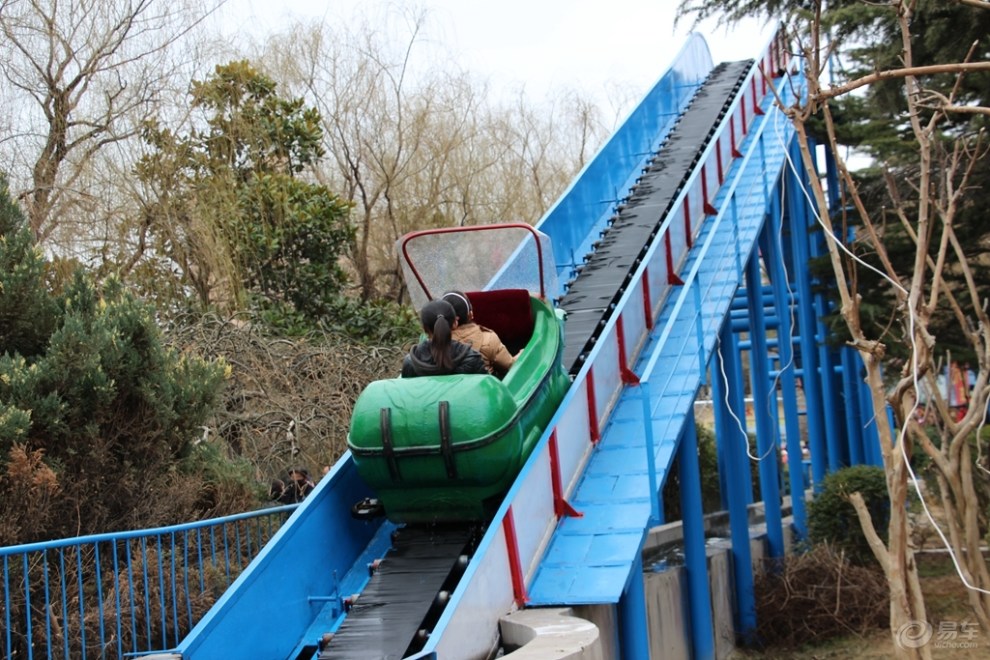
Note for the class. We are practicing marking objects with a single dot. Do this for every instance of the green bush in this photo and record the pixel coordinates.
(88, 386)
(832, 518)
(711, 499)
(27, 311)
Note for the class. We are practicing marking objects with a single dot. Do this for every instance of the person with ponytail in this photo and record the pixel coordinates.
(498, 359)
(440, 354)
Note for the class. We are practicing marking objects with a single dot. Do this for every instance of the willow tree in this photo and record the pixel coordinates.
(905, 82)
(413, 141)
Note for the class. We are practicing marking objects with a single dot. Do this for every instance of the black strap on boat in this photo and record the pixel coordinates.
(388, 449)
(445, 447)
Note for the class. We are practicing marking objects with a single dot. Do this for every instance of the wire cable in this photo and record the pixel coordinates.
(912, 319)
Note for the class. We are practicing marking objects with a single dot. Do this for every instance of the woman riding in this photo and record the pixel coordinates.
(440, 354)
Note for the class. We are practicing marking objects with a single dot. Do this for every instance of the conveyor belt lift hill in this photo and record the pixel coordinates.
(653, 239)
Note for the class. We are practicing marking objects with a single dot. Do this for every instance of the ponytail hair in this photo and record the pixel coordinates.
(437, 318)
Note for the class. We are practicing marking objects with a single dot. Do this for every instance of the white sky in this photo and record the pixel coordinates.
(538, 44)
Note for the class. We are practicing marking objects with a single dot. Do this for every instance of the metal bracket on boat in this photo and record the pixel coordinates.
(445, 447)
(388, 448)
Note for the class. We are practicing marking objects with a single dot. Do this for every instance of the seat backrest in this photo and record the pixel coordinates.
(507, 312)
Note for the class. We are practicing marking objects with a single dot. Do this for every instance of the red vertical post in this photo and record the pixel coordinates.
(708, 208)
(515, 565)
(629, 377)
(718, 158)
(647, 304)
(561, 507)
(757, 110)
(745, 123)
(688, 231)
(672, 277)
(620, 340)
(589, 383)
(732, 135)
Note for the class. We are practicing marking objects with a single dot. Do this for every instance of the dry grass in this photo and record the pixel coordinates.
(956, 635)
(288, 401)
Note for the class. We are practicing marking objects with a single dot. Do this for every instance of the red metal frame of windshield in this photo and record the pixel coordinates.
(449, 230)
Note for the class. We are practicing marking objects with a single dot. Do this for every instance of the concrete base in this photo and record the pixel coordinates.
(666, 589)
(550, 634)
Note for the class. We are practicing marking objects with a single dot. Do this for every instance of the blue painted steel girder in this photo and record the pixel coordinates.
(765, 411)
(732, 443)
(798, 222)
(770, 244)
(696, 561)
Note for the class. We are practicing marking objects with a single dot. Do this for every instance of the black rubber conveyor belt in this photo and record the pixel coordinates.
(397, 599)
(592, 295)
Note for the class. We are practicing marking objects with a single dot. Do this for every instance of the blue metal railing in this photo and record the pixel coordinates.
(123, 594)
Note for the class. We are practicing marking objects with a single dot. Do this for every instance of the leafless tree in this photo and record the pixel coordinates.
(82, 75)
(937, 189)
(415, 142)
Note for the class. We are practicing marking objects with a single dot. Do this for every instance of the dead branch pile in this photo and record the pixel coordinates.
(818, 595)
(288, 401)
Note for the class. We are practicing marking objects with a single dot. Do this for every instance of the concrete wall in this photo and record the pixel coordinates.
(667, 613)
(721, 581)
(595, 627)
(606, 617)
(666, 589)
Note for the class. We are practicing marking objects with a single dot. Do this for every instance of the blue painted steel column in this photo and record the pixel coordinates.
(696, 560)
(831, 385)
(737, 398)
(732, 443)
(722, 418)
(656, 511)
(835, 429)
(766, 413)
(770, 239)
(634, 629)
(850, 397)
(797, 214)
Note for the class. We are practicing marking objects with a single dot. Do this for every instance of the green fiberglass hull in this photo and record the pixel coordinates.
(446, 448)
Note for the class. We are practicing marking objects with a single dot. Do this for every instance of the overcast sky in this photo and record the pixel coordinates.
(541, 44)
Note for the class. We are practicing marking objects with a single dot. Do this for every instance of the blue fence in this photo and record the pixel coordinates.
(123, 594)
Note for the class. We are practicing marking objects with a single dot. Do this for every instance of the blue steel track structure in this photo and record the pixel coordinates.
(689, 229)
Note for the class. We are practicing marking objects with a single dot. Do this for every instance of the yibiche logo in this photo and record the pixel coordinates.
(945, 635)
(914, 634)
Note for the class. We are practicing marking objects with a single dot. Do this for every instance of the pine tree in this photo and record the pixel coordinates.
(87, 385)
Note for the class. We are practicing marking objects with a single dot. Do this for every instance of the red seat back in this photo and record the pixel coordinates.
(507, 312)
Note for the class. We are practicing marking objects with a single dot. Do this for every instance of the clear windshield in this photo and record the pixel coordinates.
(476, 258)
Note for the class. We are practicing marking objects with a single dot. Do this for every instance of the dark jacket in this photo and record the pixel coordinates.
(419, 361)
(296, 491)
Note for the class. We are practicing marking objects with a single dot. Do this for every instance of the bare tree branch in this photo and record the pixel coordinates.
(94, 71)
(891, 74)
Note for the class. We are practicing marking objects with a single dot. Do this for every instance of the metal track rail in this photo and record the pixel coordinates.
(407, 591)
(592, 296)
(321, 556)
(398, 596)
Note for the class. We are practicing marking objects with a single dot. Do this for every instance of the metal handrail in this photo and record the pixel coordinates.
(127, 593)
